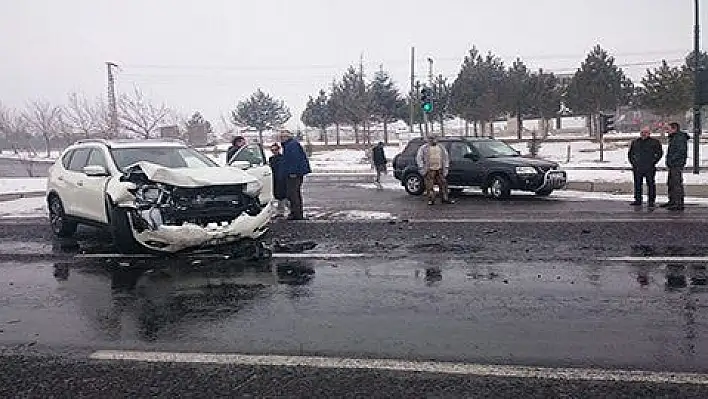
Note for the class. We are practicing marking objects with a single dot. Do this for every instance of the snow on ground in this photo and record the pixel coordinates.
(12, 185)
(24, 208)
(625, 176)
(584, 196)
(39, 157)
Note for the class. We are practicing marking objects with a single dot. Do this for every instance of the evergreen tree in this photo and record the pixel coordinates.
(667, 91)
(519, 93)
(385, 101)
(261, 112)
(355, 100)
(196, 121)
(442, 94)
(546, 97)
(318, 114)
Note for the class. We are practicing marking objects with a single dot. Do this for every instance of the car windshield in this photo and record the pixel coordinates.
(171, 157)
(495, 149)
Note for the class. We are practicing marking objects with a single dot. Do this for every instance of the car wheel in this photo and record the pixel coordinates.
(414, 184)
(499, 187)
(61, 225)
(544, 193)
(122, 232)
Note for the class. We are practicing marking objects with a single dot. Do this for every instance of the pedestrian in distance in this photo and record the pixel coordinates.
(295, 166)
(279, 183)
(379, 159)
(644, 153)
(434, 163)
(676, 155)
(236, 144)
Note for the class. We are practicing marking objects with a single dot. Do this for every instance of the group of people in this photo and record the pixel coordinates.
(645, 153)
(289, 164)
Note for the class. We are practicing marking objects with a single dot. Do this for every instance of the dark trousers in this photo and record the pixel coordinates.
(650, 177)
(433, 177)
(675, 186)
(294, 194)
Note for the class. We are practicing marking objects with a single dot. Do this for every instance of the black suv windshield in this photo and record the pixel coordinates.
(495, 149)
(171, 157)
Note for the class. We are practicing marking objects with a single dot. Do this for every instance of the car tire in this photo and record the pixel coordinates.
(61, 225)
(544, 193)
(499, 187)
(414, 184)
(121, 231)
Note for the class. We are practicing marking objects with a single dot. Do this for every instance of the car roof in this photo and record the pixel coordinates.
(133, 143)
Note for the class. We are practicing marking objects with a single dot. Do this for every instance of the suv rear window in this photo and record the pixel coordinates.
(412, 148)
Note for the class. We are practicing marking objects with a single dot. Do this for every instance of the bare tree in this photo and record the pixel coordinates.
(4, 127)
(139, 115)
(81, 116)
(14, 128)
(44, 119)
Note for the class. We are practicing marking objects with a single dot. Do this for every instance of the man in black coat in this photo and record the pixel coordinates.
(379, 158)
(644, 153)
(676, 156)
(279, 184)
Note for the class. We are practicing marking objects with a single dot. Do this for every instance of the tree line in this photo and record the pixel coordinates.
(486, 90)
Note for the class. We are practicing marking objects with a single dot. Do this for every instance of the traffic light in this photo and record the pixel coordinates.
(426, 100)
(703, 87)
(607, 123)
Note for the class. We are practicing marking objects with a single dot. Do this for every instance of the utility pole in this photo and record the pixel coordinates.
(696, 95)
(430, 84)
(412, 103)
(112, 107)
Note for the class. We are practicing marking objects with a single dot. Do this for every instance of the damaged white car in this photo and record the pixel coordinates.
(158, 195)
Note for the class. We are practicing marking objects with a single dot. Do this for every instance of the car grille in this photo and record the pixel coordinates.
(206, 205)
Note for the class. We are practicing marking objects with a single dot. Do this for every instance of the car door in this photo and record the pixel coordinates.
(73, 179)
(94, 188)
(255, 156)
(464, 166)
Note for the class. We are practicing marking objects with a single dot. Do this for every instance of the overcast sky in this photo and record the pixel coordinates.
(207, 55)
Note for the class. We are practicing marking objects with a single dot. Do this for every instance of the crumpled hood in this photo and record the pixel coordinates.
(193, 177)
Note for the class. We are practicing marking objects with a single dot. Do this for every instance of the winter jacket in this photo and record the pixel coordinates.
(423, 161)
(379, 157)
(677, 152)
(295, 160)
(279, 184)
(644, 154)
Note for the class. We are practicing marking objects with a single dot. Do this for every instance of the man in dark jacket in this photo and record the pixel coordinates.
(644, 153)
(379, 158)
(676, 156)
(236, 144)
(279, 193)
(294, 167)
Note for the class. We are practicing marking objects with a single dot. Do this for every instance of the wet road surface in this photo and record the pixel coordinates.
(519, 292)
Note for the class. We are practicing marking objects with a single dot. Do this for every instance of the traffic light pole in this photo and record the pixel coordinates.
(696, 95)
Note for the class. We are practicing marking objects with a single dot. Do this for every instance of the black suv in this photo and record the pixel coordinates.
(487, 163)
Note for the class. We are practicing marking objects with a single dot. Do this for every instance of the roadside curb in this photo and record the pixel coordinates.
(16, 196)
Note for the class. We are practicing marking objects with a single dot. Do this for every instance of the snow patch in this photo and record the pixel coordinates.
(12, 185)
(24, 208)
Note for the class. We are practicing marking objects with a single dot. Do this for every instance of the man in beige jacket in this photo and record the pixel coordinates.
(434, 163)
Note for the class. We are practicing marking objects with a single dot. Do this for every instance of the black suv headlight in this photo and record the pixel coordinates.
(526, 171)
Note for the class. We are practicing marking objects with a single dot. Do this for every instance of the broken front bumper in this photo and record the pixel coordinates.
(165, 238)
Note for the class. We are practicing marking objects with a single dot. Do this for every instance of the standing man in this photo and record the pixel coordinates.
(676, 156)
(644, 153)
(279, 183)
(236, 144)
(434, 163)
(379, 158)
(294, 167)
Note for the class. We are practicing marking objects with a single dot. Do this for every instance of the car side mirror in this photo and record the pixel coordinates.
(472, 156)
(243, 165)
(95, 171)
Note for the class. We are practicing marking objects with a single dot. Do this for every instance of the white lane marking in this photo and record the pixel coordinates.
(486, 370)
(569, 220)
(655, 259)
(225, 256)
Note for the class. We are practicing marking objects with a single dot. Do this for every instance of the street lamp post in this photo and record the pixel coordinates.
(696, 95)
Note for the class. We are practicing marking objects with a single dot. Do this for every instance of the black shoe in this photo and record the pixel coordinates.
(636, 203)
(675, 208)
(291, 217)
(449, 202)
(666, 205)
(431, 202)
(651, 205)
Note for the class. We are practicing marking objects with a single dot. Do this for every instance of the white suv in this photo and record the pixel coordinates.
(159, 195)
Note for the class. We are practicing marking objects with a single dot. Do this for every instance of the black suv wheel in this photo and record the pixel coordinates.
(413, 182)
(499, 187)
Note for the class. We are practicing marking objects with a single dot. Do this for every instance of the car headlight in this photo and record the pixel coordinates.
(526, 170)
(253, 188)
(148, 194)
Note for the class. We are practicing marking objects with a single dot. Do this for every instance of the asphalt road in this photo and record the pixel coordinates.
(546, 283)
